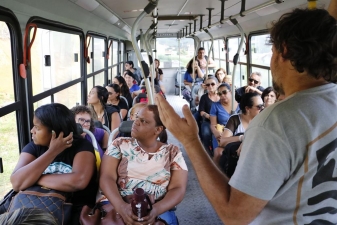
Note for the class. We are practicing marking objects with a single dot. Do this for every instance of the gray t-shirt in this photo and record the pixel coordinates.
(289, 158)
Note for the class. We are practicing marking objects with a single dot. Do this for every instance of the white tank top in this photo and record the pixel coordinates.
(240, 128)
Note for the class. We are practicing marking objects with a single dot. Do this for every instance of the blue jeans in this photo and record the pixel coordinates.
(198, 118)
(169, 217)
(206, 135)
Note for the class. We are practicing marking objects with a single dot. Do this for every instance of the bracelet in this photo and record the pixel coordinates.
(240, 138)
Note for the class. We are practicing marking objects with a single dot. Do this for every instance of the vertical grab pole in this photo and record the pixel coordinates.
(210, 49)
(236, 58)
(144, 67)
(195, 52)
(179, 68)
(150, 56)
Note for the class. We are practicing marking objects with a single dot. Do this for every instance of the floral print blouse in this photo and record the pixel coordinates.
(138, 169)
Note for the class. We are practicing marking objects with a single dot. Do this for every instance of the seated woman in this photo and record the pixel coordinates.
(205, 105)
(268, 96)
(83, 116)
(143, 161)
(125, 92)
(221, 111)
(58, 158)
(108, 115)
(131, 81)
(114, 99)
(220, 74)
(188, 79)
(251, 104)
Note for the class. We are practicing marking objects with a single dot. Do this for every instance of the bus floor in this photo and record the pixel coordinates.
(195, 208)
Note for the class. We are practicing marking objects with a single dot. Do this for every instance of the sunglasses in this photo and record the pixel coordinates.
(252, 80)
(83, 121)
(223, 92)
(259, 107)
(207, 85)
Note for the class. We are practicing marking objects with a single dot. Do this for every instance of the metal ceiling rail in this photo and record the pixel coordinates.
(240, 14)
(144, 67)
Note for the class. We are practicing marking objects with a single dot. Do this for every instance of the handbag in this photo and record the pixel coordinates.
(105, 215)
(6, 201)
(52, 201)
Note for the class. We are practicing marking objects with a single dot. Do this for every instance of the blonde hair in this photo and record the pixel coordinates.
(136, 108)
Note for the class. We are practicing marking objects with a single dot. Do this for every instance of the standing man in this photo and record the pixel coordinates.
(287, 171)
(254, 82)
(203, 59)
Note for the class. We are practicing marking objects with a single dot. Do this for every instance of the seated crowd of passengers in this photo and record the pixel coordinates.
(61, 158)
(216, 108)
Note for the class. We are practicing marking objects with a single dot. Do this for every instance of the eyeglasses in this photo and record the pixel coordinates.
(83, 121)
(259, 107)
(224, 92)
(252, 80)
(207, 85)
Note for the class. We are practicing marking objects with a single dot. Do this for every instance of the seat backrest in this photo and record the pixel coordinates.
(125, 100)
(182, 72)
(94, 143)
(124, 127)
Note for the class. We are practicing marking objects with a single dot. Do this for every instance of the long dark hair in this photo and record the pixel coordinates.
(124, 89)
(163, 135)
(117, 89)
(190, 66)
(102, 94)
(58, 118)
(247, 101)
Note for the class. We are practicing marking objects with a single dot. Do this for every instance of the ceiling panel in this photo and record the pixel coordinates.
(129, 10)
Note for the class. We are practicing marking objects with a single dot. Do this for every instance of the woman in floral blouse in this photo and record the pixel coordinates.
(143, 161)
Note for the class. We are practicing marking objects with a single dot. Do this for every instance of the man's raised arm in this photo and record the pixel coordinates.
(231, 205)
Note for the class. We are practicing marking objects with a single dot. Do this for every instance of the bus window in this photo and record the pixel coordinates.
(260, 50)
(6, 75)
(260, 57)
(44, 101)
(99, 50)
(9, 146)
(114, 53)
(63, 68)
(9, 150)
(69, 96)
(99, 79)
(168, 52)
(90, 84)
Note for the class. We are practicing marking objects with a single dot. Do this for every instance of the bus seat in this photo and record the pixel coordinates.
(177, 82)
(81, 130)
(124, 127)
(125, 100)
(98, 124)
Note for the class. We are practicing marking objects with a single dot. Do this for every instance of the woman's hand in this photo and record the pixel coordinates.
(125, 211)
(60, 143)
(151, 217)
(217, 135)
